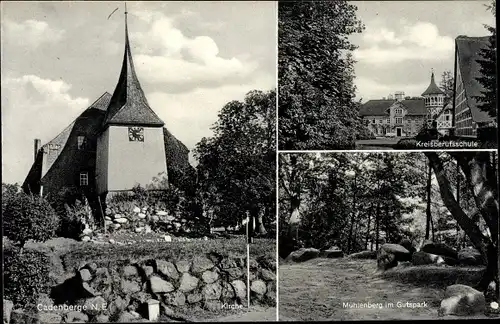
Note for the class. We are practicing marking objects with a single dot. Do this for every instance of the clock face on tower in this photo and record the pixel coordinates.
(136, 134)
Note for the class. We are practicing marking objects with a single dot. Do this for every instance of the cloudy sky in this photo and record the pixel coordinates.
(191, 58)
(404, 40)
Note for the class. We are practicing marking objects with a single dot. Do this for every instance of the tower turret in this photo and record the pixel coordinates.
(434, 100)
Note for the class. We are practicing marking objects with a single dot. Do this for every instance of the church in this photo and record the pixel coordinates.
(406, 116)
(116, 143)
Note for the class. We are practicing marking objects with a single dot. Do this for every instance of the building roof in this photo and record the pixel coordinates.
(128, 104)
(468, 51)
(379, 107)
(432, 88)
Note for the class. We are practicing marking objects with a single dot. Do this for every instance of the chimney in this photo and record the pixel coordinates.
(37, 145)
(399, 95)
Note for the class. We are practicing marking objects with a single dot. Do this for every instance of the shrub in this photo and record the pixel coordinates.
(29, 217)
(26, 276)
(67, 206)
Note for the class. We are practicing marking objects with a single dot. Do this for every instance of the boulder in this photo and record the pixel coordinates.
(331, 254)
(45, 317)
(129, 287)
(130, 271)
(167, 268)
(161, 213)
(168, 238)
(267, 275)
(212, 305)
(462, 300)
(183, 266)
(76, 316)
(137, 210)
(194, 298)
(303, 254)
(102, 318)
(148, 270)
(389, 254)
(439, 249)
(139, 229)
(141, 215)
(121, 220)
(117, 305)
(423, 258)
(259, 287)
(159, 285)
(87, 231)
(94, 306)
(228, 292)
(470, 256)
(86, 238)
(118, 216)
(240, 288)
(364, 255)
(201, 264)
(188, 282)
(176, 298)
(127, 317)
(210, 276)
(212, 291)
(85, 275)
(406, 243)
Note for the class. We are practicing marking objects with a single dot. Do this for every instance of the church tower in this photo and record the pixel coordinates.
(130, 147)
(434, 101)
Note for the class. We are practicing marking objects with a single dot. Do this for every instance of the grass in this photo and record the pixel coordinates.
(141, 251)
(262, 246)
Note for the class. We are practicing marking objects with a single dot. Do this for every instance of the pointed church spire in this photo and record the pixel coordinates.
(432, 88)
(129, 105)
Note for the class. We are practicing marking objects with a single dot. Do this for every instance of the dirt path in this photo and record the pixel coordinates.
(255, 314)
(327, 289)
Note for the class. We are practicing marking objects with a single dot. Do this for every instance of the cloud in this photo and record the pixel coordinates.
(164, 55)
(370, 89)
(30, 32)
(33, 107)
(420, 41)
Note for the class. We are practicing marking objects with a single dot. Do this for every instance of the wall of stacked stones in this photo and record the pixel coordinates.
(121, 292)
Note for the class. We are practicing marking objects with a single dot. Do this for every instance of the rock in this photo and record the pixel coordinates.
(201, 264)
(130, 271)
(102, 318)
(331, 254)
(86, 238)
(364, 255)
(462, 300)
(139, 229)
(121, 220)
(259, 287)
(167, 268)
(194, 298)
(148, 270)
(45, 317)
(129, 287)
(85, 275)
(212, 305)
(147, 229)
(469, 256)
(168, 238)
(94, 306)
(126, 317)
(137, 210)
(303, 254)
(227, 291)
(406, 243)
(170, 218)
(234, 273)
(227, 263)
(108, 222)
(161, 213)
(188, 282)
(423, 258)
(117, 216)
(7, 310)
(107, 218)
(87, 231)
(118, 305)
(439, 249)
(183, 266)
(210, 276)
(267, 275)
(117, 226)
(141, 215)
(176, 298)
(89, 289)
(240, 288)
(75, 316)
(159, 285)
(112, 241)
(389, 254)
(212, 291)
(155, 218)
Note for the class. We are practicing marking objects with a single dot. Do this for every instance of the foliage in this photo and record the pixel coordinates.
(315, 71)
(236, 166)
(26, 276)
(28, 217)
(488, 68)
(67, 205)
(447, 85)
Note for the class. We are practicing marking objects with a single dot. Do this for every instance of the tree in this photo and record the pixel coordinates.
(447, 84)
(488, 68)
(236, 169)
(315, 71)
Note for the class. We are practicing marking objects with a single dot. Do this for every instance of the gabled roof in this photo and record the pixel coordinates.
(129, 104)
(432, 88)
(468, 51)
(414, 107)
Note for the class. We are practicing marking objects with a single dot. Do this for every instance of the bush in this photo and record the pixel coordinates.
(26, 276)
(29, 217)
(68, 207)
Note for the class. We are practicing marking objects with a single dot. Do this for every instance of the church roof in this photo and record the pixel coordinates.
(468, 51)
(432, 88)
(128, 104)
(380, 107)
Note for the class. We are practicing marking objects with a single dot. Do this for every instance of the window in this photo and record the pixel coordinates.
(373, 121)
(81, 142)
(380, 121)
(399, 120)
(388, 120)
(447, 117)
(84, 178)
(399, 111)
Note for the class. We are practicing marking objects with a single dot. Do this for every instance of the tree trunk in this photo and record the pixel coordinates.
(377, 225)
(259, 223)
(353, 213)
(428, 209)
(368, 226)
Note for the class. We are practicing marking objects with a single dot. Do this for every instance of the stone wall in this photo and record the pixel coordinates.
(122, 292)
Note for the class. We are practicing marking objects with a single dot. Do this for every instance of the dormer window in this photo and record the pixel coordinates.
(399, 111)
(84, 178)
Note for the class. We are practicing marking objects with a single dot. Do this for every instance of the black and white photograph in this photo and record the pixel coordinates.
(139, 161)
(388, 236)
(382, 75)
